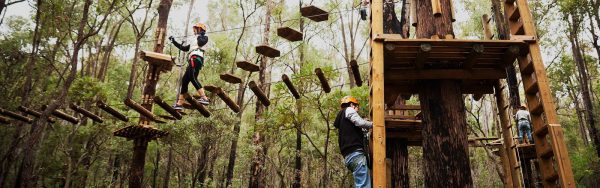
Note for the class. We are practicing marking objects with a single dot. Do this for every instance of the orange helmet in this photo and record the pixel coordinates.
(348, 99)
(200, 25)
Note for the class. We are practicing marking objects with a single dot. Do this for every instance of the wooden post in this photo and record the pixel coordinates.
(112, 111)
(377, 103)
(413, 13)
(167, 108)
(290, 86)
(485, 21)
(86, 113)
(436, 8)
(228, 100)
(35, 113)
(60, 114)
(507, 135)
(323, 80)
(356, 72)
(15, 116)
(260, 95)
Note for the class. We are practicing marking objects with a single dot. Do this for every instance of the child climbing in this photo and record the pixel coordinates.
(350, 139)
(524, 123)
(195, 64)
(364, 4)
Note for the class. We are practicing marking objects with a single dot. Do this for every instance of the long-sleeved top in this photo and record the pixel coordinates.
(350, 134)
(353, 116)
(195, 49)
(522, 115)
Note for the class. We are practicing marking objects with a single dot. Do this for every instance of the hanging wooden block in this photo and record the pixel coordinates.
(247, 66)
(62, 115)
(413, 13)
(290, 86)
(210, 88)
(436, 7)
(267, 51)
(324, 83)
(260, 95)
(167, 108)
(196, 105)
(453, 19)
(35, 113)
(356, 72)
(86, 113)
(230, 78)
(15, 116)
(112, 111)
(314, 13)
(289, 34)
(4, 120)
(232, 105)
(162, 62)
(140, 109)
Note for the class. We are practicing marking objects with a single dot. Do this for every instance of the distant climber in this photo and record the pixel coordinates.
(364, 4)
(524, 123)
(350, 138)
(195, 64)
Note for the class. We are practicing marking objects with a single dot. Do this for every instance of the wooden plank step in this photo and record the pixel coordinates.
(514, 14)
(15, 116)
(86, 113)
(289, 34)
(196, 105)
(176, 115)
(62, 115)
(260, 95)
(552, 177)
(267, 51)
(140, 109)
(34, 113)
(516, 28)
(531, 86)
(230, 78)
(526, 67)
(163, 62)
(290, 86)
(112, 111)
(405, 107)
(247, 66)
(323, 80)
(314, 13)
(356, 73)
(537, 107)
(547, 152)
(541, 131)
(230, 103)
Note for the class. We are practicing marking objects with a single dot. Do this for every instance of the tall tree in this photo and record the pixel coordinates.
(445, 147)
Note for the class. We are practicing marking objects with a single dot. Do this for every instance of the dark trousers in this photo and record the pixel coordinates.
(191, 75)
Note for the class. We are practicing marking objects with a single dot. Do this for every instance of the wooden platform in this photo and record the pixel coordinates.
(526, 151)
(289, 34)
(314, 13)
(164, 62)
(136, 131)
(267, 51)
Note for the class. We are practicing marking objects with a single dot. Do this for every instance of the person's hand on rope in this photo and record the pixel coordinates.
(172, 39)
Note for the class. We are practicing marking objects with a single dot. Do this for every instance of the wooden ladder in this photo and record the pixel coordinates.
(552, 154)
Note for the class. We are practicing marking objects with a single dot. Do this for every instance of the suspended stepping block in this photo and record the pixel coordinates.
(268, 51)
(35, 113)
(289, 34)
(112, 111)
(62, 115)
(15, 116)
(4, 120)
(162, 62)
(260, 95)
(212, 89)
(323, 80)
(232, 105)
(356, 72)
(230, 78)
(86, 113)
(290, 86)
(314, 13)
(196, 105)
(140, 109)
(140, 132)
(168, 108)
(247, 66)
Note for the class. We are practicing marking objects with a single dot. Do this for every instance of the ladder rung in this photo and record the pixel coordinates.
(547, 152)
(531, 86)
(514, 15)
(511, 2)
(526, 68)
(517, 166)
(516, 28)
(537, 108)
(542, 131)
(552, 177)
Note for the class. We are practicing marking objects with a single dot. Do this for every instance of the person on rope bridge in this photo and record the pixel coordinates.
(351, 128)
(524, 123)
(195, 64)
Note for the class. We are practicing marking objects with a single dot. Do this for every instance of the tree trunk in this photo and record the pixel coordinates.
(445, 146)
(155, 170)
(580, 119)
(405, 18)
(257, 173)
(169, 166)
(398, 152)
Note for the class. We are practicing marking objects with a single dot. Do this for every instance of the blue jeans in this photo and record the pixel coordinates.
(357, 163)
(525, 128)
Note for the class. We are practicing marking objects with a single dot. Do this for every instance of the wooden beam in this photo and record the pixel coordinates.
(230, 78)
(247, 66)
(232, 105)
(34, 113)
(290, 86)
(140, 109)
(86, 113)
(485, 21)
(323, 80)
(15, 116)
(314, 13)
(483, 74)
(436, 7)
(196, 105)
(260, 95)
(112, 111)
(212, 89)
(168, 108)
(356, 73)
(413, 13)
(62, 115)
(377, 98)
(406, 107)
(422, 55)
(505, 123)
(472, 58)
(289, 34)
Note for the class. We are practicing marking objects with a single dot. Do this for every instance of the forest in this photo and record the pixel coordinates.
(83, 54)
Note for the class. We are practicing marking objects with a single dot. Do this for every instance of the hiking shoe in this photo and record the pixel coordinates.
(203, 101)
(178, 107)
